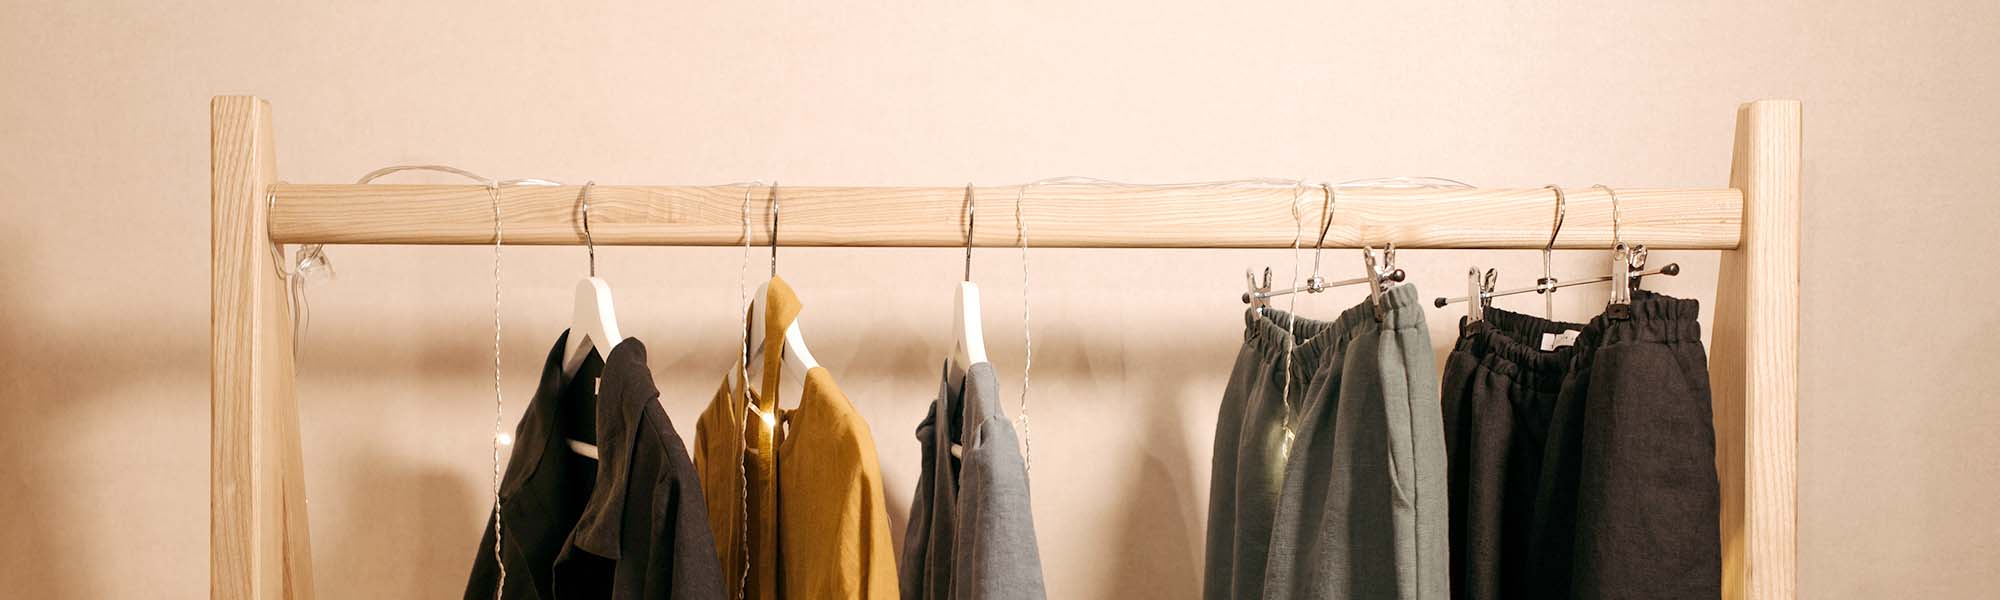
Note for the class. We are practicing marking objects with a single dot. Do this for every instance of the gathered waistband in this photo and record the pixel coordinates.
(1510, 342)
(1267, 330)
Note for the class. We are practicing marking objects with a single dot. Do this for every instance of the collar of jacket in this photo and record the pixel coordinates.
(781, 308)
(625, 386)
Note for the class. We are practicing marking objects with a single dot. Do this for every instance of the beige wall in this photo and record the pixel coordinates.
(103, 247)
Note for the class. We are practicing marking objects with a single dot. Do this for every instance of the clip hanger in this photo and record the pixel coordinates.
(1478, 292)
(1381, 276)
(1628, 265)
(1633, 273)
(1260, 296)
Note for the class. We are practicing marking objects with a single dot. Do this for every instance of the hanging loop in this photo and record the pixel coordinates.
(589, 244)
(971, 213)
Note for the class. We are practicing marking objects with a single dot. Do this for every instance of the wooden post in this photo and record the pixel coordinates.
(258, 546)
(1755, 360)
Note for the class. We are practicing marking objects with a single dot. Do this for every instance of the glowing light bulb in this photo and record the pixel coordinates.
(505, 439)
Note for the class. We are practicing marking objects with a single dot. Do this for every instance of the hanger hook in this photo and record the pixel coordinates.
(589, 243)
(774, 229)
(1325, 225)
(971, 213)
(1546, 286)
(1562, 211)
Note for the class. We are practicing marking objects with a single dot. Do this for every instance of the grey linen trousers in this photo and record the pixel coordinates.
(1356, 507)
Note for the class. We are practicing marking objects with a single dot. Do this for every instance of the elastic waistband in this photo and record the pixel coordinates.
(1654, 318)
(1510, 342)
(1266, 331)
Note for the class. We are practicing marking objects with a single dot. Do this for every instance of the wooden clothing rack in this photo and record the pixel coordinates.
(259, 546)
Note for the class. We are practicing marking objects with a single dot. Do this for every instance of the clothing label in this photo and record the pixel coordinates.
(1552, 341)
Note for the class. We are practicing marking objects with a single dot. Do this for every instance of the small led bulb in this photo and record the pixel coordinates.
(505, 439)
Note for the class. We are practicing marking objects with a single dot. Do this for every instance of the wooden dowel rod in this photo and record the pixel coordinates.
(1062, 215)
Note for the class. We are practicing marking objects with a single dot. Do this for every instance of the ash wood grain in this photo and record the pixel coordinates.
(1754, 363)
(258, 543)
(1088, 216)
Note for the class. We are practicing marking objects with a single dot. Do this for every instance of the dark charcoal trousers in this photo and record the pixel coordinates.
(1499, 391)
(1588, 471)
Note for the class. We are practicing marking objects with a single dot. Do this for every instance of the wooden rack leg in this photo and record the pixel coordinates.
(1755, 360)
(258, 546)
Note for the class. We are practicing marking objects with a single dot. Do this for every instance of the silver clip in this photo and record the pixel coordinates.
(1259, 296)
(1380, 274)
(1478, 293)
(1620, 305)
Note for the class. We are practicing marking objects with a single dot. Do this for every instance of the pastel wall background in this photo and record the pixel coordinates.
(104, 244)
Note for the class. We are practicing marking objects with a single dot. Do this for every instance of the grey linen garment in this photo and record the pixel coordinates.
(1363, 510)
(1248, 463)
(971, 532)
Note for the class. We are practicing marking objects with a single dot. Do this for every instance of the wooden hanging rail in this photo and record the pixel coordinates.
(1058, 215)
(259, 542)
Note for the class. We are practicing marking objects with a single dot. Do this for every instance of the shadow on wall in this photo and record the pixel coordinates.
(411, 507)
(1158, 550)
(1153, 546)
(406, 506)
(68, 396)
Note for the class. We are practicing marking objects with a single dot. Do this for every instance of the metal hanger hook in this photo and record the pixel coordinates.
(1562, 211)
(774, 229)
(1547, 284)
(1325, 225)
(589, 244)
(971, 213)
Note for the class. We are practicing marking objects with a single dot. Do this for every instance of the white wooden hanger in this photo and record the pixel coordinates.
(593, 323)
(797, 360)
(970, 347)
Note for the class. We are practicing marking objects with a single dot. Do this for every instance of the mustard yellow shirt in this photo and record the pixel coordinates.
(797, 508)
